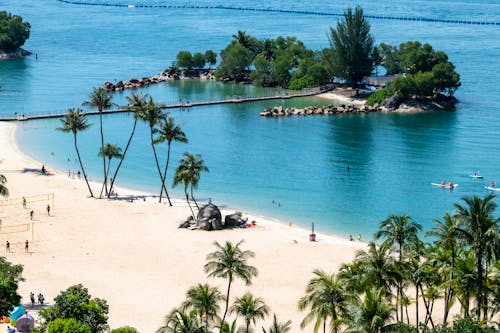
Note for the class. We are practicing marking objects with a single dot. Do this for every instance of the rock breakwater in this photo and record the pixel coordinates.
(167, 75)
(279, 111)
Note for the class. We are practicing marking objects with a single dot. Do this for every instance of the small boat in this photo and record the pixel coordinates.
(476, 176)
(492, 188)
(444, 186)
(131, 6)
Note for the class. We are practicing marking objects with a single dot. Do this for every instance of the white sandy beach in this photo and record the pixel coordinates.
(134, 256)
(343, 96)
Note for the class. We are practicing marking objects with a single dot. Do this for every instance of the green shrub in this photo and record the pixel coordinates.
(379, 96)
(125, 329)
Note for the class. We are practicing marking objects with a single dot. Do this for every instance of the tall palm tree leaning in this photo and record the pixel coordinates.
(152, 114)
(403, 231)
(204, 299)
(480, 230)
(250, 308)
(100, 98)
(110, 151)
(4, 191)
(277, 327)
(230, 262)
(136, 103)
(326, 297)
(168, 131)
(75, 121)
(189, 172)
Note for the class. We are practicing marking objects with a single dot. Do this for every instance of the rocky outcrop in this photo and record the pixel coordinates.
(19, 53)
(279, 111)
(438, 102)
(208, 218)
(167, 75)
(233, 220)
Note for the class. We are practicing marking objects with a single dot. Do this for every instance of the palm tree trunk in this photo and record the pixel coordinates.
(105, 183)
(247, 322)
(187, 199)
(157, 163)
(449, 290)
(81, 166)
(107, 173)
(227, 302)
(122, 158)
(324, 326)
(416, 305)
(192, 197)
(165, 176)
(479, 295)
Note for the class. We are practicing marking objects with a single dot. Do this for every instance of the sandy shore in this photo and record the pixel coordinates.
(134, 256)
(343, 96)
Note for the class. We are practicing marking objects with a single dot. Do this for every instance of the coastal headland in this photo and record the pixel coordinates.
(132, 253)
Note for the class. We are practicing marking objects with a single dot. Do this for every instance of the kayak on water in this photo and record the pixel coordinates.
(492, 188)
(476, 176)
(444, 186)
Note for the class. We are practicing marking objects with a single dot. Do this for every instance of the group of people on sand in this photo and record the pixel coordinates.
(41, 299)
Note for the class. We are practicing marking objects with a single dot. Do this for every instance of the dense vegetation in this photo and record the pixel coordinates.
(286, 62)
(13, 31)
(10, 276)
(422, 72)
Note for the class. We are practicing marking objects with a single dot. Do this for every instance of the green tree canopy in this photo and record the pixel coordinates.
(76, 302)
(352, 47)
(236, 59)
(210, 57)
(13, 31)
(125, 329)
(185, 59)
(10, 275)
(70, 325)
(199, 60)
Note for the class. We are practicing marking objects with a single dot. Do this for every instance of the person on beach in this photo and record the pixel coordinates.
(31, 214)
(78, 174)
(26, 246)
(351, 239)
(41, 299)
(32, 299)
(359, 237)
(24, 202)
(48, 209)
(7, 247)
(44, 171)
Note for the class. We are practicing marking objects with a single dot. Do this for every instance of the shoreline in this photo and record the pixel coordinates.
(73, 246)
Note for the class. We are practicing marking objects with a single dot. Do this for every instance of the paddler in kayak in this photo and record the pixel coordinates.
(450, 184)
(492, 184)
(443, 183)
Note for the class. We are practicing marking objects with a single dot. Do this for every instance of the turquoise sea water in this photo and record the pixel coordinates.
(299, 162)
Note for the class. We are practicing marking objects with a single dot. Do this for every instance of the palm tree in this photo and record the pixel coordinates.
(205, 301)
(277, 327)
(250, 308)
(110, 151)
(371, 314)
(100, 98)
(326, 297)
(169, 131)
(230, 261)
(465, 279)
(480, 230)
(181, 321)
(403, 231)
(153, 115)
(188, 173)
(244, 39)
(136, 103)
(4, 191)
(75, 121)
(445, 232)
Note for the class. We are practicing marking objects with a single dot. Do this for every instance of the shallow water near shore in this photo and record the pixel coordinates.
(300, 163)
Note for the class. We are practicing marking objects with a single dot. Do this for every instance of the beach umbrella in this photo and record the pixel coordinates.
(312, 227)
(25, 323)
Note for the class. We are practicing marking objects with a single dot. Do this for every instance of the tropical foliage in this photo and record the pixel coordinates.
(4, 191)
(13, 31)
(10, 276)
(76, 303)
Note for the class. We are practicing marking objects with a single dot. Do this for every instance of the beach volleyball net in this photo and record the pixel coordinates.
(46, 197)
(15, 228)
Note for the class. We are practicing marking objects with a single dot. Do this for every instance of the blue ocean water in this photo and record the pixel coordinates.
(299, 162)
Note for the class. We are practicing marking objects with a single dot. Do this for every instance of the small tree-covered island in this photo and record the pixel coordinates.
(417, 77)
(13, 33)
